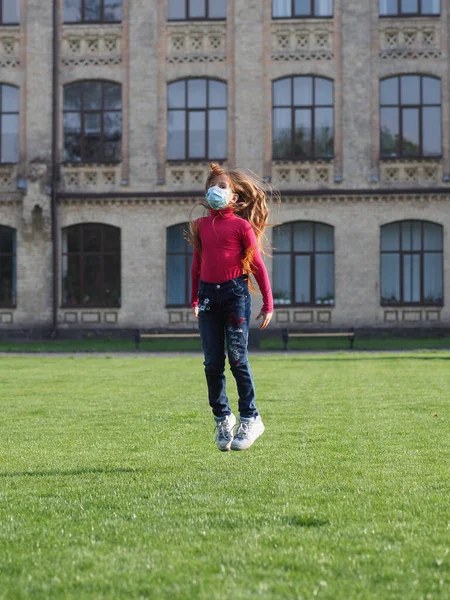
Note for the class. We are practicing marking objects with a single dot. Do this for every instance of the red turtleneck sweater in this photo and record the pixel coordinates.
(225, 238)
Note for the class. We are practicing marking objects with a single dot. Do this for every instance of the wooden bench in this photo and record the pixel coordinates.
(138, 336)
(286, 335)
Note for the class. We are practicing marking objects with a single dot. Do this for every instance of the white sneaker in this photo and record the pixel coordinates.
(224, 432)
(248, 431)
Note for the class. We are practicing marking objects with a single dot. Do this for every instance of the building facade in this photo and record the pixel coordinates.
(111, 111)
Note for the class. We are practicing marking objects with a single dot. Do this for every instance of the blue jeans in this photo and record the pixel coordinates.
(224, 316)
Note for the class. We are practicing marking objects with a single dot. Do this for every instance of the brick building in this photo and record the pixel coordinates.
(112, 110)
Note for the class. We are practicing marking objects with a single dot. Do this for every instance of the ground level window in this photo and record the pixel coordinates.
(179, 259)
(7, 266)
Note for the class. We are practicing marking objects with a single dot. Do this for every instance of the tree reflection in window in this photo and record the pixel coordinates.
(92, 11)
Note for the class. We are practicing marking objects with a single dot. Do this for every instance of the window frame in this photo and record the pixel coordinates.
(312, 283)
(188, 111)
(188, 18)
(401, 253)
(83, 20)
(311, 15)
(419, 107)
(401, 15)
(293, 157)
(188, 253)
(2, 24)
(101, 159)
(81, 254)
(3, 85)
(13, 255)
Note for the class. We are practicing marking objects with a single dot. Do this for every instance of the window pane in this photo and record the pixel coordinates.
(175, 238)
(323, 92)
(92, 10)
(282, 8)
(92, 281)
(302, 8)
(176, 135)
(217, 94)
(72, 281)
(72, 136)
(282, 292)
(324, 238)
(197, 128)
(111, 280)
(10, 11)
(92, 96)
(112, 96)
(282, 92)
(303, 237)
(7, 280)
(411, 278)
(112, 135)
(324, 279)
(303, 133)
(411, 235)
(10, 98)
(410, 89)
(409, 6)
(388, 7)
(217, 135)
(176, 9)
(197, 9)
(389, 91)
(282, 238)
(72, 97)
(111, 239)
(431, 90)
(6, 240)
(92, 237)
(72, 11)
(410, 139)
(390, 132)
(324, 140)
(217, 9)
(176, 279)
(431, 7)
(196, 93)
(71, 237)
(390, 278)
(302, 279)
(303, 91)
(176, 94)
(113, 10)
(432, 278)
(92, 133)
(282, 123)
(431, 134)
(390, 237)
(432, 236)
(10, 138)
(323, 8)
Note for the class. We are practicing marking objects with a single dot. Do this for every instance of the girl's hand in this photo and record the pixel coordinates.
(266, 317)
(195, 309)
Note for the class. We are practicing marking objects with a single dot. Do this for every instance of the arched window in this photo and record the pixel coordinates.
(303, 263)
(9, 12)
(197, 120)
(409, 8)
(410, 116)
(178, 266)
(92, 122)
(9, 123)
(7, 266)
(182, 10)
(411, 263)
(303, 118)
(92, 11)
(91, 265)
(289, 9)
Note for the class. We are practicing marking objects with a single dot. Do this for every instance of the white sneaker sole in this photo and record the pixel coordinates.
(236, 446)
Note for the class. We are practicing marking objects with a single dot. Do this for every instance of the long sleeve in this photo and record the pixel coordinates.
(195, 277)
(259, 269)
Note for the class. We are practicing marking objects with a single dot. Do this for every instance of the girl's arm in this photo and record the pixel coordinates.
(195, 279)
(258, 269)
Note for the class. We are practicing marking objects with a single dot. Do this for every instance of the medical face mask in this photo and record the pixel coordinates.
(217, 197)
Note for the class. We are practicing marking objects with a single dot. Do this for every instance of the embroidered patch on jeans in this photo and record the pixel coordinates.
(205, 305)
(233, 338)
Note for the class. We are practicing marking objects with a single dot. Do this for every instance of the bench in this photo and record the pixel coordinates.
(138, 336)
(286, 334)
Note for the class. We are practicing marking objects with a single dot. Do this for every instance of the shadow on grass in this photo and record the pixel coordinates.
(71, 472)
(298, 521)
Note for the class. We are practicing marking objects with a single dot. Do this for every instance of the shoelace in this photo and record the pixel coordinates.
(242, 430)
(222, 431)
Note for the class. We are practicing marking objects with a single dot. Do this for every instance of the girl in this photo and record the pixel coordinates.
(227, 246)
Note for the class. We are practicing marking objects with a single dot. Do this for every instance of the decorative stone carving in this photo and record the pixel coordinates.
(292, 174)
(411, 171)
(196, 43)
(10, 48)
(91, 46)
(8, 177)
(414, 39)
(298, 41)
(91, 177)
(36, 203)
(192, 174)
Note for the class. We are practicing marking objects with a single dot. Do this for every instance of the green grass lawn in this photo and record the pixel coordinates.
(111, 485)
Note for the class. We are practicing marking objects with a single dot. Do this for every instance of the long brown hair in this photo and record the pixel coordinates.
(252, 204)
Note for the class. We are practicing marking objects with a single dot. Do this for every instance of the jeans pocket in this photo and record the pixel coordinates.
(240, 290)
